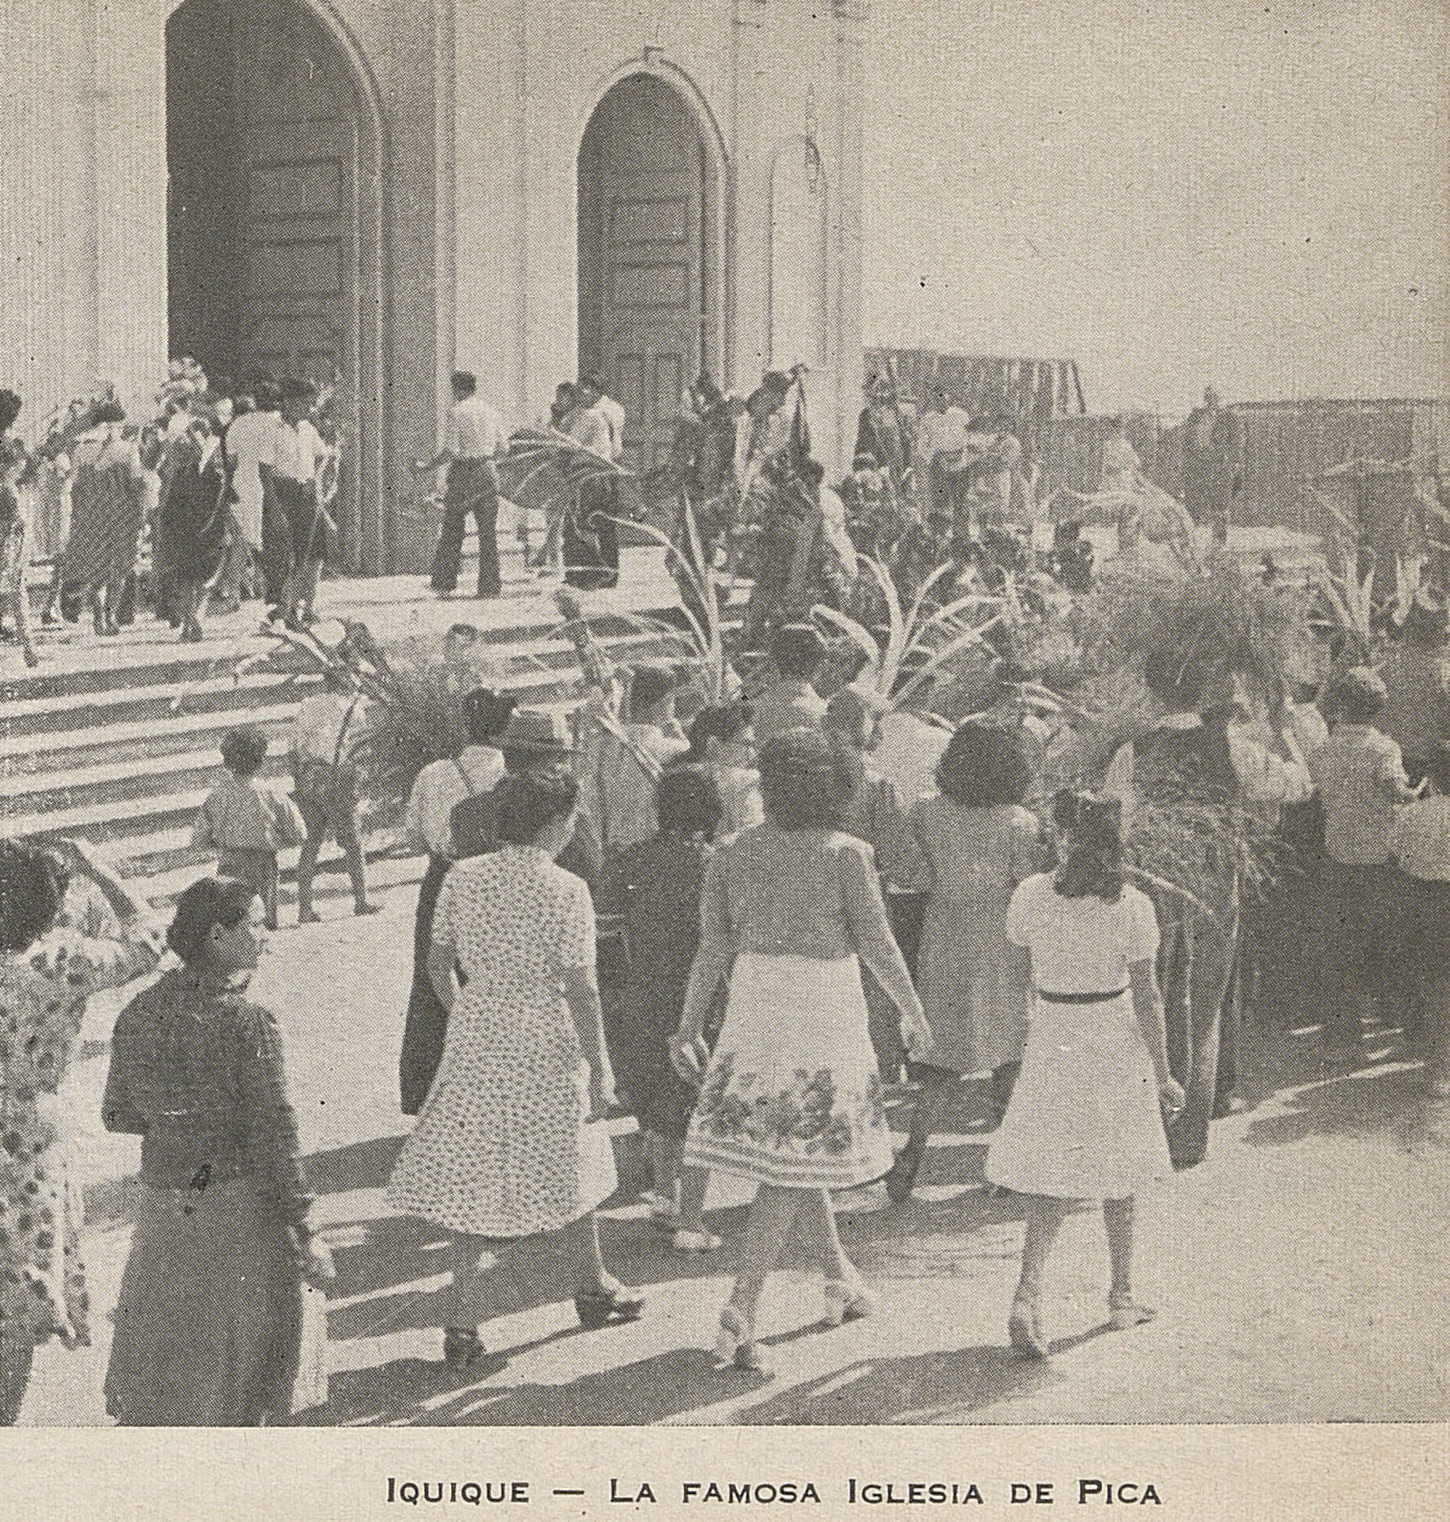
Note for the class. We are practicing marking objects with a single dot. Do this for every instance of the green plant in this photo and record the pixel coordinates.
(920, 638)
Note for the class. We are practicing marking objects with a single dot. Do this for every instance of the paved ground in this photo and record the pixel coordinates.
(1301, 1272)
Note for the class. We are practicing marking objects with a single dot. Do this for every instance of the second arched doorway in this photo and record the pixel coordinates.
(650, 229)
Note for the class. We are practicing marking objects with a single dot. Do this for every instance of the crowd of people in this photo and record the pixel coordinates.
(223, 497)
(723, 917)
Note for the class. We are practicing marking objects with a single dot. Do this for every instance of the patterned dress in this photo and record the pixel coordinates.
(503, 1146)
(209, 1317)
(43, 993)
(792, 1096)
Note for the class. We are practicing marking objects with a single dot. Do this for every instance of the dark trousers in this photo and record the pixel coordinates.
(258, 869)
(472, 488)
(1361, 935)
(591, 539)
(426, 1026)
(1195, 970)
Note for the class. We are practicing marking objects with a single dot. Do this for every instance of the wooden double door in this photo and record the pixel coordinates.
(647, 223)
(271, 222)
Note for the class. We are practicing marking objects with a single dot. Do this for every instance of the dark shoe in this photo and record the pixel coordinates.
(308, 917)
(462, 1347)
(367, 909)
(598, 1307)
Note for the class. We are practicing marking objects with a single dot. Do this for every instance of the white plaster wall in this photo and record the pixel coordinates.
(529, 72)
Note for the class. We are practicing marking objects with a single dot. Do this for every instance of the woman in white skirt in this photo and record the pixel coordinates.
(791, 1097)
(1086, 1118)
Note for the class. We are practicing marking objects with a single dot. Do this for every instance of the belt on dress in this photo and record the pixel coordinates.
(1042, 993)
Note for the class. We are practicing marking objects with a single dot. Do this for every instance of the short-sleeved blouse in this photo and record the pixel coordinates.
(1081, 945)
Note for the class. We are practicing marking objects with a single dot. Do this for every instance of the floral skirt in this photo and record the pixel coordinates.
(792, 1096)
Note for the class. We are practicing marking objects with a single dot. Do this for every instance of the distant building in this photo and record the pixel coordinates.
(380, 191)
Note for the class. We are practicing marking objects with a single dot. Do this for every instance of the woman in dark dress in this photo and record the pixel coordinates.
(209, 1321)
(654, 887)
(192, 521)
(438, 790)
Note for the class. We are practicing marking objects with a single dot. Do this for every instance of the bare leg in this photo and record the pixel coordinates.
(819, 1219)
(307, 862)
(582, 1239)
(768, 1226)
(351, 843)
(1045, 1216)
(462, 1302)
(1123, 1309)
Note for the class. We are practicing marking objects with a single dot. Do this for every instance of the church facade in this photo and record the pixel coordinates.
(374, 194)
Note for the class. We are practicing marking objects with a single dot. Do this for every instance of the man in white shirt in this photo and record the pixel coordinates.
(250, 443)
(591, 552)
(298, 454)
(472, 440)
(941, 442)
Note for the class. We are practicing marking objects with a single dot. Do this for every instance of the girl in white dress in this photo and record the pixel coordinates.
(1084, 1122)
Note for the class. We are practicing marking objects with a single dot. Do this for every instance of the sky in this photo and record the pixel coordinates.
(1175, 195)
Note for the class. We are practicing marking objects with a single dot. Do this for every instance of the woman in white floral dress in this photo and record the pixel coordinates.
(792, 1095)
(505, 1146)
(55, 951)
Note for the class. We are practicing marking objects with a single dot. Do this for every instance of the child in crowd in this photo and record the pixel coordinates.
(790, 700)
(1084, 1119)
(1360, 776)
(655, 888)
(722, 740)
(622, 794)
(246, 822)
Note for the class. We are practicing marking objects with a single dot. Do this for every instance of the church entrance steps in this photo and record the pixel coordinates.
(116, 741)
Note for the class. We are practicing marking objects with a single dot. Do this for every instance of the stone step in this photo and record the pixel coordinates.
(52, 719)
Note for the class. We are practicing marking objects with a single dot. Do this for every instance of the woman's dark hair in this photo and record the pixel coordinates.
(1357, 697)
(723, 722)
(1092, 859)
(32, 889)
(243, 751)
(688, 802)
(650, 685)
(485, 713)
(525, 803)
(268, 396)
(107, 410)
(797, 650)
(10, 405)
(201, 908)
(806, 782)
(984, 767)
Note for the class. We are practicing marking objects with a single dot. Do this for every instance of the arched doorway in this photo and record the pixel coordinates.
(273, 222)
(649, 241)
